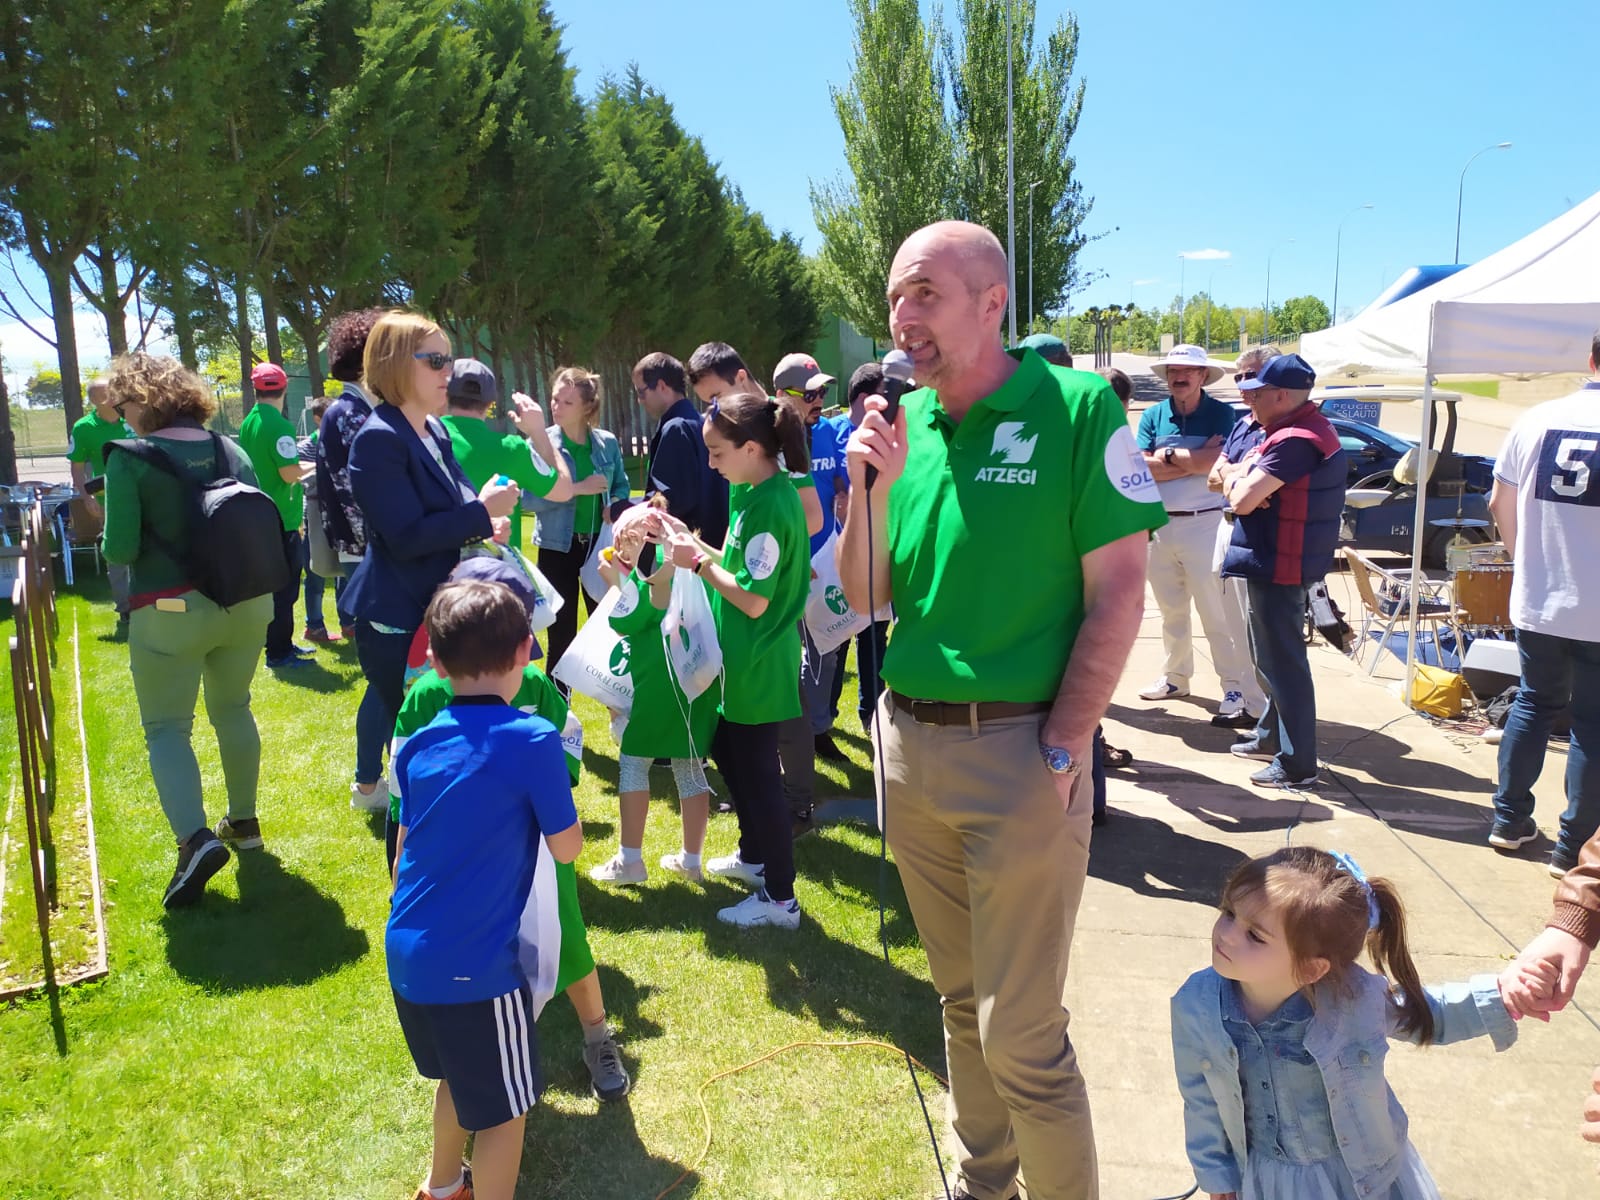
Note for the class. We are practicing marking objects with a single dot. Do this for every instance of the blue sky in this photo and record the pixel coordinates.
(1233, 131)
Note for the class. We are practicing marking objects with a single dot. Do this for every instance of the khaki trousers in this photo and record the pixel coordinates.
(1180, 572)
(994, 872)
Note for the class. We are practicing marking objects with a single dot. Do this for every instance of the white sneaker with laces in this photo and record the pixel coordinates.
(1163, 689)
(377, 800)
(731, 866)
(615, 870)
(674, 862)
(1232, 705)
(757, 910)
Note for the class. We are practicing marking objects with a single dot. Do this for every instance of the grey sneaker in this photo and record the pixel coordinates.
(1511, 835)
(243, 834)
(607, 1076)
(199, 858)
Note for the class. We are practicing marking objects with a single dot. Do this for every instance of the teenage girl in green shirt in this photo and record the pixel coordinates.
(758, 583)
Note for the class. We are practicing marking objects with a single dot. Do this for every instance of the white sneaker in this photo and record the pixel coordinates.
(1163, 689)
(615, 870)
(1232, 705)
(674, 862)
(756, 910)
(731, 866)
(377, 800)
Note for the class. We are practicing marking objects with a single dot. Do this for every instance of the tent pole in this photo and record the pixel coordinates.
(1419, 526)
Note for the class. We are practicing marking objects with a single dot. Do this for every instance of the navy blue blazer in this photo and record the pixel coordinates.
(417, 516)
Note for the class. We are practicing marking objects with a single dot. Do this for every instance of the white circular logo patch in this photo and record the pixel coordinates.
(627, 598)
(286, 447)
(761, 556)
(1126, 469)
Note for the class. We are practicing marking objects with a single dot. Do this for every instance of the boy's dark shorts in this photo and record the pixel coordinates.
(486, 1050)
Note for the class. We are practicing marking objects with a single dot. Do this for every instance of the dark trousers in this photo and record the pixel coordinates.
(561, 568)
(316, 588)
(1097, 769)
(870, 645)
(747, 756)
(383, 662)
(280, 631)
(1556, 672)
(1288, 725)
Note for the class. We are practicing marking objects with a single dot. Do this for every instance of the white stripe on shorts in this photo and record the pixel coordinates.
(511, 1022)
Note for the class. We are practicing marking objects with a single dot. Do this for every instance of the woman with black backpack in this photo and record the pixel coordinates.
(171, 496)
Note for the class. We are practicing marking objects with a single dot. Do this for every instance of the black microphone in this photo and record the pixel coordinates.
(896, 379)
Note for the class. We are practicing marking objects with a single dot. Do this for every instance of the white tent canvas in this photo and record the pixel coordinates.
(1529, 309)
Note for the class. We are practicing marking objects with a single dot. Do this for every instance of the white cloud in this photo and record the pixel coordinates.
(1144, 282)
(1203, 255)
(22, 351)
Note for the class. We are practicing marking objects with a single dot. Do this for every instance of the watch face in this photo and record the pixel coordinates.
(1056, 759)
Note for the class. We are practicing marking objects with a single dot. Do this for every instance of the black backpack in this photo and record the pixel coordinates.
(233, 547)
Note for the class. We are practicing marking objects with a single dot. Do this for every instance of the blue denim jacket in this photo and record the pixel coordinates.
(552, 522)
(1348, 1038)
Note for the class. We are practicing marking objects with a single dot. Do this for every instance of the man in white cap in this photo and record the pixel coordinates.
(1180, 438)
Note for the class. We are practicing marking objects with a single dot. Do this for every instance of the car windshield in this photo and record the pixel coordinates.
(1371, 433)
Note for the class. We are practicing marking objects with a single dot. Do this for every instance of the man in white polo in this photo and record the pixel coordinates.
(1180, 438)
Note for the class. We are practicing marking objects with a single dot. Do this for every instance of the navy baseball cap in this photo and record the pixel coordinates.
(473, 382)
(1287, 371)
(490, 569)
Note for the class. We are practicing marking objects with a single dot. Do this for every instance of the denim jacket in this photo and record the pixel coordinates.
(553, 522)
(1348, 1039)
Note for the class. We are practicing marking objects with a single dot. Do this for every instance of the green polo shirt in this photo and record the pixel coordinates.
(87, 442)
(483, 454)
(988, 527)
(267, 437)
(663, 723)
(769, 552)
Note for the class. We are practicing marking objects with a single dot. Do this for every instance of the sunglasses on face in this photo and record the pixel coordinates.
(1241, 376)
(435, 360)
(121, 407)
(814, 397)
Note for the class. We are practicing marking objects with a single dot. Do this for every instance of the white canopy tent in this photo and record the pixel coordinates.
(1532, 308)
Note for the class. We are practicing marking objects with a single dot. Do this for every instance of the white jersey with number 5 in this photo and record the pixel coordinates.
(1552, 457)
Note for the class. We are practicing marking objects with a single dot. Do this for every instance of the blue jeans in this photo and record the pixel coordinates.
(1288, 725)
(316, 588)
(870, 644)
(383, 662)
(1556, 671)
(1097, 769)
(817, 674)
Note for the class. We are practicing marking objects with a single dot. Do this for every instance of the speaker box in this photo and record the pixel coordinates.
(1491, 666)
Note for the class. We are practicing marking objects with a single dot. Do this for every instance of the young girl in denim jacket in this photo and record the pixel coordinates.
(1279, 1045)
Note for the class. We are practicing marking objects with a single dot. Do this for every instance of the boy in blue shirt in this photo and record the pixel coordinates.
(482, 782)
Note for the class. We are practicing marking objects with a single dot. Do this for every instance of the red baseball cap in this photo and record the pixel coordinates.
(269, 377)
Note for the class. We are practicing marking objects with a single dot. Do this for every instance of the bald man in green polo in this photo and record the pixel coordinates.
(1010, 522)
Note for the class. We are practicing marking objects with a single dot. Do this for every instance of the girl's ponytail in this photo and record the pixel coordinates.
(792, 438)
(1386, 943)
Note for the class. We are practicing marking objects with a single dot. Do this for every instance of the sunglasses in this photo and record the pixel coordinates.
(1241, 376)
(812, 397)
(435, 360)
(121, 407)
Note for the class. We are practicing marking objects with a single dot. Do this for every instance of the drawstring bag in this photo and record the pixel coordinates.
(596, 662)
(690, 633)
(593, 582)
(550, 600)
(829, 618)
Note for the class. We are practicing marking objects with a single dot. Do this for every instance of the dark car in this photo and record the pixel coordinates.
(1373, 453)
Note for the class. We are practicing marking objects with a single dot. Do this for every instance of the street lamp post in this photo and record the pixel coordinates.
(1461, 188)
(1183, 302)
(1210, 303)
(1031, 186)
(1011, 192)
(1338, 242)
(1266, 309)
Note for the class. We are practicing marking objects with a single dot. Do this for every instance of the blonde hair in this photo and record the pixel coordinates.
(387, 363)
(1326, 914)
(168, 390)
(587, 384)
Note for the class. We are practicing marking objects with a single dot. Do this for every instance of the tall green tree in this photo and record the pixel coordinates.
(899, 157)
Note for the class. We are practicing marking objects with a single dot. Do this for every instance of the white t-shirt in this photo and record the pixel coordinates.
(1552, 457)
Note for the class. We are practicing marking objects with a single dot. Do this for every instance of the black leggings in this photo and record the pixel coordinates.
(747, 756)
(562, 568)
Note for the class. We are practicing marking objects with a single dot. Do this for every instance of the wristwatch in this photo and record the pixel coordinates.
(1168, 455)
(1057, 760)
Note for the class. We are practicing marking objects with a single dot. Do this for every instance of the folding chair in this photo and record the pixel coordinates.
(1434, 606)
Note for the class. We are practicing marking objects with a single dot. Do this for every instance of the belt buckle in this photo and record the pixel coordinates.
(1229, 515)
(933, 705)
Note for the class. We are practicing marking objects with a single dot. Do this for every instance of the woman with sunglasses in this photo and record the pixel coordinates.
(758, 583)
(419, 509)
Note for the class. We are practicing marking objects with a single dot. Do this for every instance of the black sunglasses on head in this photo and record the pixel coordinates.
(1241, 376)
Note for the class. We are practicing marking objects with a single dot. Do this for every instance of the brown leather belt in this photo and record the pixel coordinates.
(939, 712)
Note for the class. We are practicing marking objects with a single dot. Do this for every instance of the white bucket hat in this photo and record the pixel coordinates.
(1189, 356)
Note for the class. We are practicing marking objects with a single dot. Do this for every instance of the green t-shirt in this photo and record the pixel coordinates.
(483, 454)
(586, 516)
(769, 552)
(988, 527)
(87, 441)
(663, 723)
(266, 436)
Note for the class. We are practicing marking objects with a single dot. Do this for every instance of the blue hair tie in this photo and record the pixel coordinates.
(1349, 866)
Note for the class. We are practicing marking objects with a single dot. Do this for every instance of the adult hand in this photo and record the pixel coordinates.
(593, 485)
(91, 505)
(1067, 785)
(526, 414)
(1590, 1129)
(502, 530)
(878, 444)
(682, 550)
(1525, 989)
(499, 498)
(1559, 949)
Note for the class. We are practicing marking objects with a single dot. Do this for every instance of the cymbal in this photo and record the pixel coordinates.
(1460, 523)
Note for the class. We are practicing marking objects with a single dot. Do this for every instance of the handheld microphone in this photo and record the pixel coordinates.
(896, 379)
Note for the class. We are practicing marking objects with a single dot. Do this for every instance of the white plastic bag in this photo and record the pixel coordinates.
(829, 618)
(539, 932)
(590, 575)
(596, 662)
(690, 632)
(550, 601)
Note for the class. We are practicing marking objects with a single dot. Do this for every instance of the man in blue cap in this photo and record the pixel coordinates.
(1284, 498)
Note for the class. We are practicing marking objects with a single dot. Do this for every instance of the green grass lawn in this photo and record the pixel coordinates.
(248, 1047)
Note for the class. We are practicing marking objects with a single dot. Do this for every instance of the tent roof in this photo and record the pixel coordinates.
(1529, 309)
